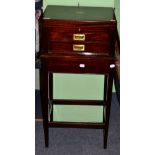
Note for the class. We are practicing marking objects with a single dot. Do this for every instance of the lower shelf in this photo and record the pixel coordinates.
(77, 113)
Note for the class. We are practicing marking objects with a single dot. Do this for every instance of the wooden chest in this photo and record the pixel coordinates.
(79, 31)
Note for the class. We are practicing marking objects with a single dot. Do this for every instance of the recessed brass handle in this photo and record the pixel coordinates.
(78, 47)
(79, 37)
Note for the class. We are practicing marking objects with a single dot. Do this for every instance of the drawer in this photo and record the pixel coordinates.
(79, 65)
(61, 47)
(79, 37)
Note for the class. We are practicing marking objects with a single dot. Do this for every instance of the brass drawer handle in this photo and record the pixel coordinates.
(80, 37)
(78, 47)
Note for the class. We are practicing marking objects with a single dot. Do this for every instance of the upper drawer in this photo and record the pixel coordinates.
(77, 36)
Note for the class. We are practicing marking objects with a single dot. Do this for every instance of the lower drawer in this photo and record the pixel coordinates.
(79, 65)
(97, 47)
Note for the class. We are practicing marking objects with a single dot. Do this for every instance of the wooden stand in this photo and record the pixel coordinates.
(80, 41)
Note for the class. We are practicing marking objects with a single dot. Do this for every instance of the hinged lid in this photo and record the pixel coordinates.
(79, 13)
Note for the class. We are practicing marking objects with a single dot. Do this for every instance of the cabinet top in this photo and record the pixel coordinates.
(79, 13)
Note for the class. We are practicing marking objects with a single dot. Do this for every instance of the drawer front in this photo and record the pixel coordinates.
(69, 65)
(60, 47)
(79, 37)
